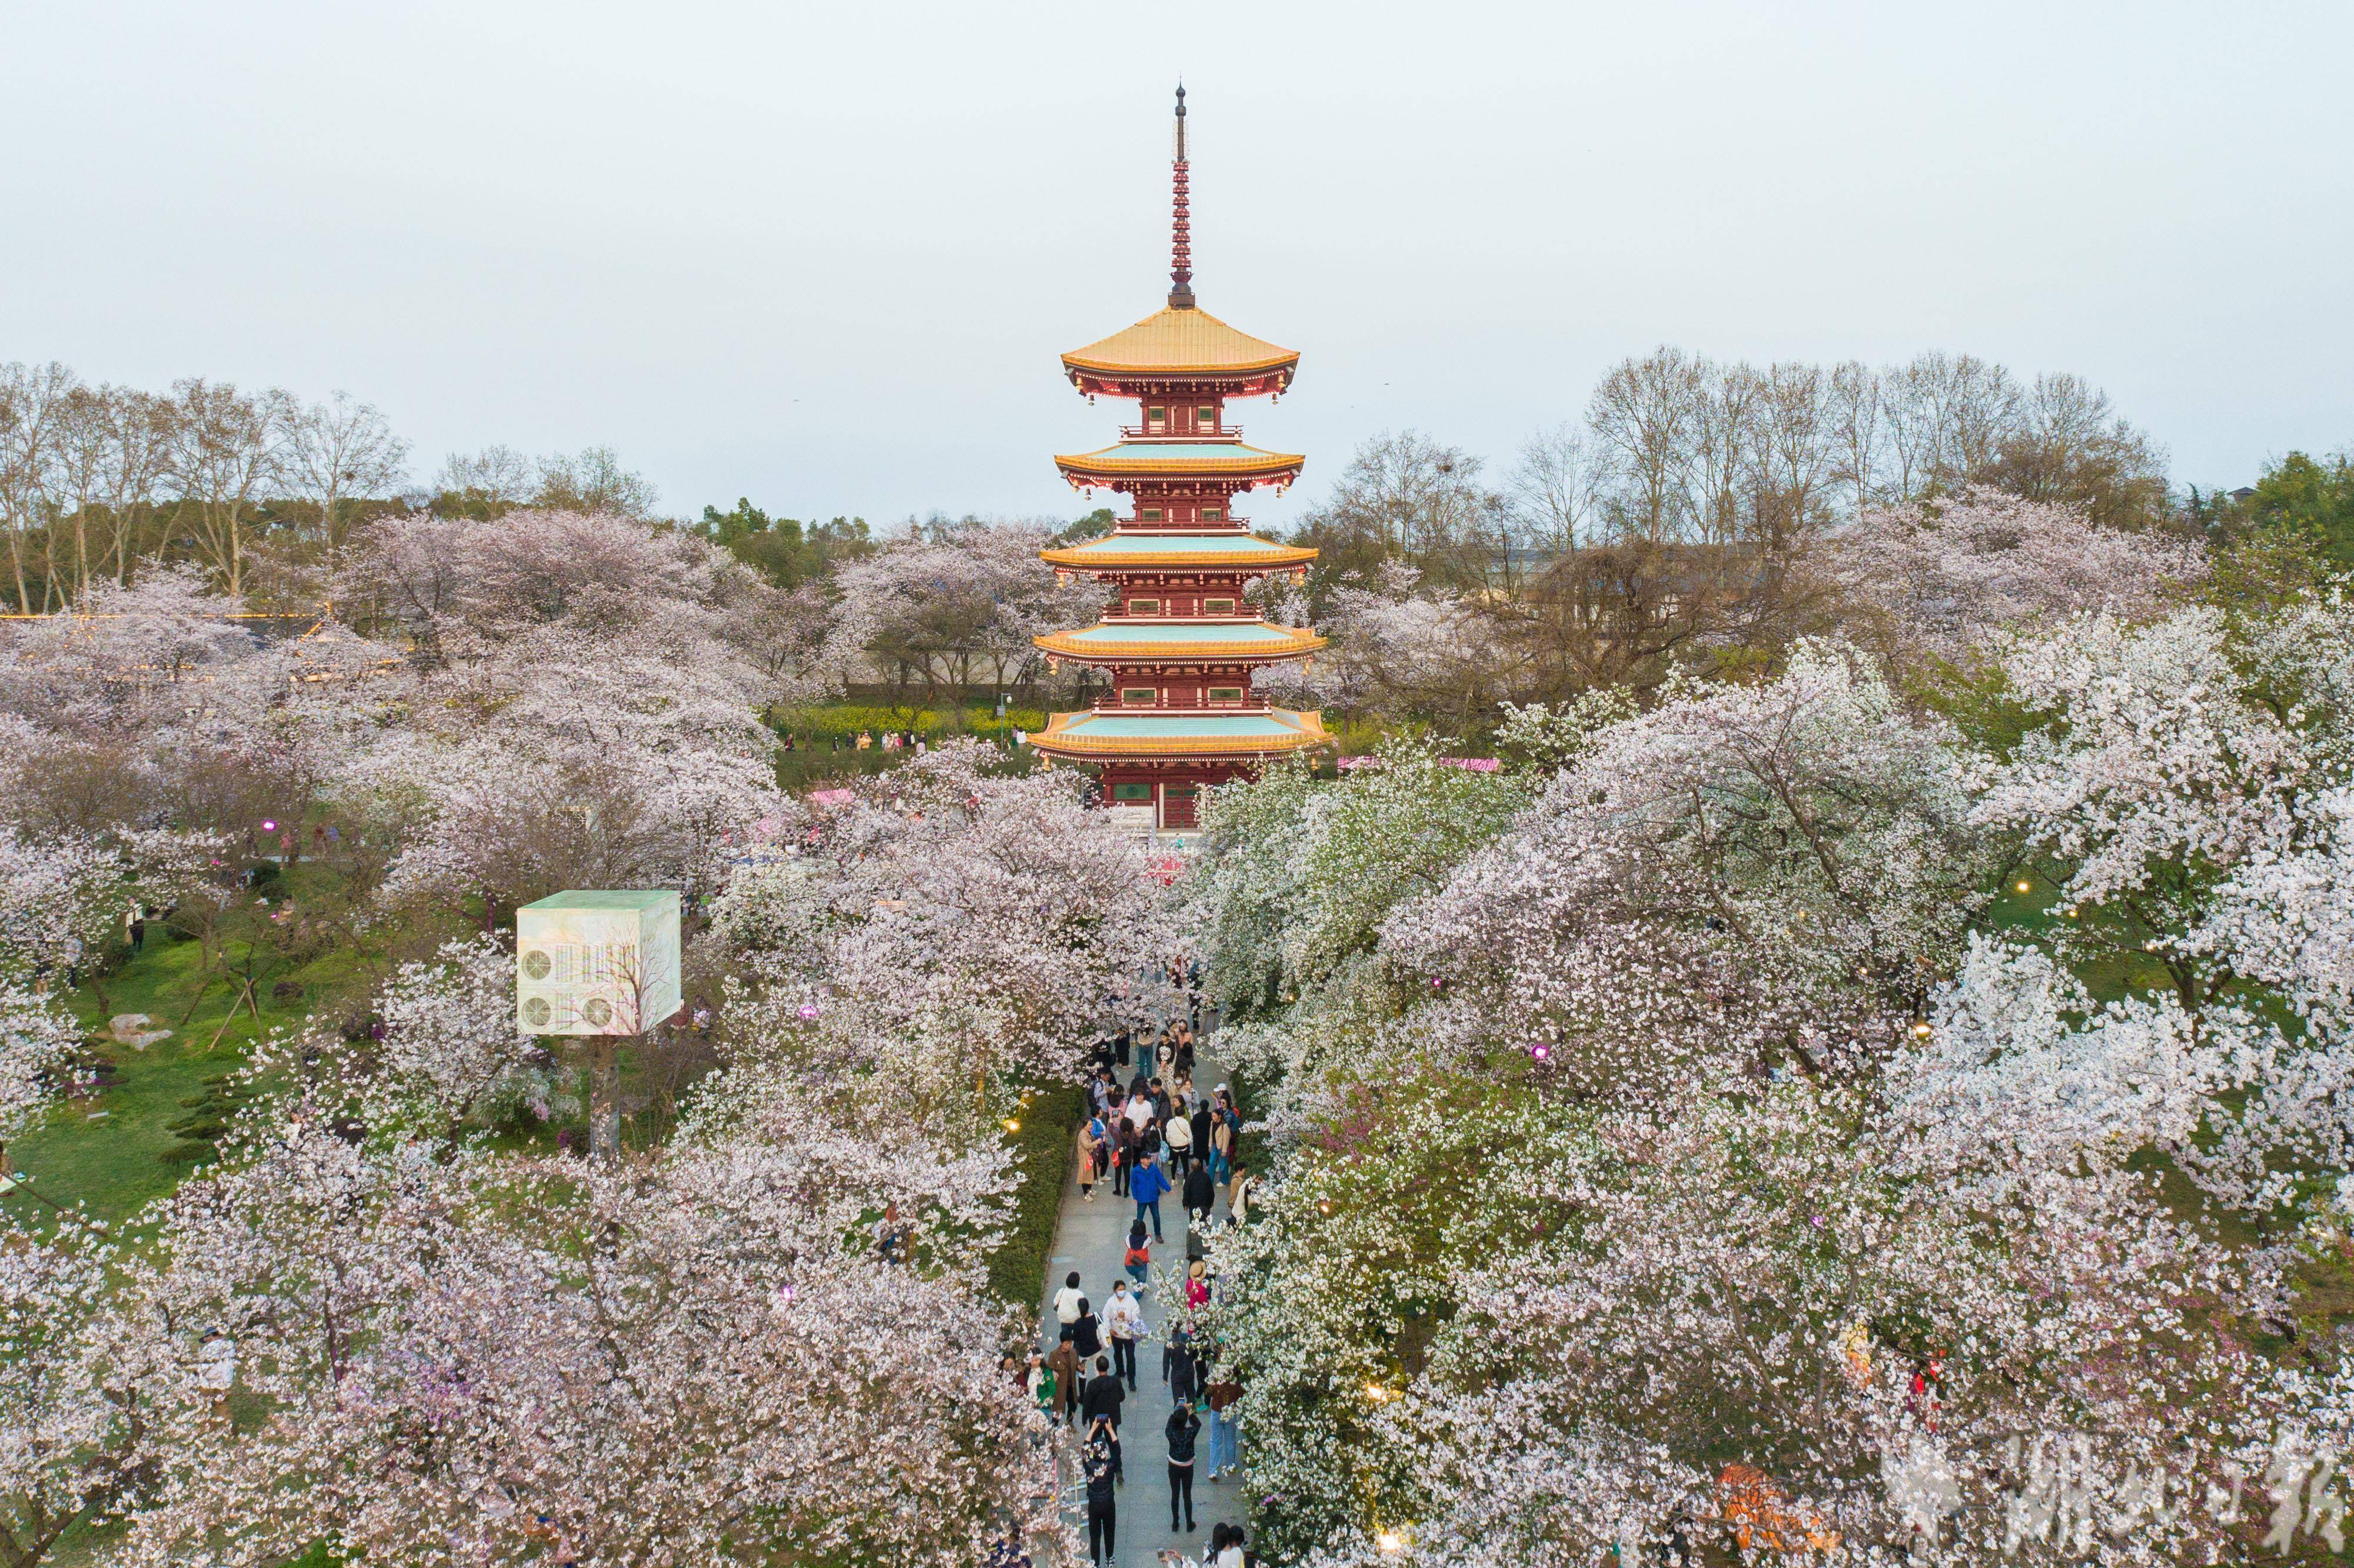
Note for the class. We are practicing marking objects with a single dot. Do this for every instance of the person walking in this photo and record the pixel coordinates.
(1138, 1260)
(1069, 1303)
(1201, 1194)
(1179, 1135)
(1146, 1186)
(1064, 1364)
(1238, 1192)
(1222, 1395)
(1124, 1320)
(1086, 1333)
(1102, 1403)
(1102, 1469)
(1181, 1428)
(1091, 1146)
(1179, 1369)
(1124, 1144)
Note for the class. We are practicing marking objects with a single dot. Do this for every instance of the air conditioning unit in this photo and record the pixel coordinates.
(596, 963)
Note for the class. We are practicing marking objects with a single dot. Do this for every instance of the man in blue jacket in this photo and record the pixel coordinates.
(1146, 1186)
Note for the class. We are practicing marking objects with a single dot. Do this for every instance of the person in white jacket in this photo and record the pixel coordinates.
(1069, 1303)
(1124, 1320)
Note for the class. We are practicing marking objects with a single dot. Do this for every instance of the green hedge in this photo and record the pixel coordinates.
(845, 720)
(1050, 1127)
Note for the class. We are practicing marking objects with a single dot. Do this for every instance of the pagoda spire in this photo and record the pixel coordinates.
(1181, 233)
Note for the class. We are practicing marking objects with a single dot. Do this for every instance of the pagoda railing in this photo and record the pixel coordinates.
(1147, 433)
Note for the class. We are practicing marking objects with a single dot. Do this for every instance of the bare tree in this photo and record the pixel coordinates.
(1790, 452)
(334, 452)
(497, 478)
(223, 456)
(136, 461)
(1715, 452)
(1858, 432)
(1556, 488)
(594, 481)
(1642, 413)
(31, 399)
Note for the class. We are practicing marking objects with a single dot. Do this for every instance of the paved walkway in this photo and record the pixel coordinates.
(1092, 1237)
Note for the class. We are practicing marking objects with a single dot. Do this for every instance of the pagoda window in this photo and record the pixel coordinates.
(1206, 416)
(1214, 514)
(1144, 607)
(1142, 792)
(1138, 696)
(1217, 607)
(1225, 695)
(1156, 421)
(1147, 515)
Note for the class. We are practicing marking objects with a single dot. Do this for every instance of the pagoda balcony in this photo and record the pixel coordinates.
(1110, 703)
(1150, 432)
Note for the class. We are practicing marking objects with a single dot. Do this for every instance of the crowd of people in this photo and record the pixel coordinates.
(1151, 1137)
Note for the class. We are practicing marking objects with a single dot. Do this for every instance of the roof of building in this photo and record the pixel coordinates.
(1216, 548)
(1179, 459)
(1172, 341)
(1094, 735)
(1181, 640)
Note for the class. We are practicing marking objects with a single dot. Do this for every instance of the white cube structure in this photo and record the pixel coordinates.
(596, 963)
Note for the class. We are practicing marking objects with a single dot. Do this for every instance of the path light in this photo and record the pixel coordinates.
(2024, 885)
(1542, 1050)
(1012, 1125)
(806, 1013)
(269, 824)
(1390, 1541)
(1922, 1029)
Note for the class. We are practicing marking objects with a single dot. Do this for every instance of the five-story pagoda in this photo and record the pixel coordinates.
(1178, 641)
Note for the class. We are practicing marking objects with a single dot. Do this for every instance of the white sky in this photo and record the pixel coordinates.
(825, 256)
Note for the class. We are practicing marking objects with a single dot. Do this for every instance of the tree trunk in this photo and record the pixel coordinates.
(605, 1102)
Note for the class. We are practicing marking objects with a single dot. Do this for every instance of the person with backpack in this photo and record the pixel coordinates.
(1102, 1468)
(1138, 1260)
(1087, 1334)
(1181, 1428)
(1068, 1303)
(1124, 1320)
(1147, 1187)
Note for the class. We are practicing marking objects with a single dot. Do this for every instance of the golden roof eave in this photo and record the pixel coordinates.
(1280, 559)
(1299, 645)
(1056, 740)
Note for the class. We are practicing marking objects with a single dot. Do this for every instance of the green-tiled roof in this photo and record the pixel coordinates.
(1191, 544)
(1174, 726)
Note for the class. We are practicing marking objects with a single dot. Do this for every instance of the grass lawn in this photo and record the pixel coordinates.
(105, 1151)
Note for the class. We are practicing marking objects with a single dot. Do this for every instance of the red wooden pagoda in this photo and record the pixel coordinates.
(1179, 644)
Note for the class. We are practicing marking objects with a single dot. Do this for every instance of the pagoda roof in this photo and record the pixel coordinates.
(1179, 459)
(1173, 343)
(1118, 640)
(1096, 735)
(1221, 549)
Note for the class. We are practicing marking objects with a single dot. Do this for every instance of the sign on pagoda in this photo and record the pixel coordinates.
(1177, 641)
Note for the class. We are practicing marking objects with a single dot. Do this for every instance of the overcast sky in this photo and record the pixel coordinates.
(825, 256)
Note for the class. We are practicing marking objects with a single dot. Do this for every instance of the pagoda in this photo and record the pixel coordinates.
(1177, 641)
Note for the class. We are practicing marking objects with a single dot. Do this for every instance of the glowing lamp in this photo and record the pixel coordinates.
(806, 1013)
(1922, 1029)
(1541, 1051)
(2024, 885)
(1012, 1125)
(269, 824)
(1390, 1541)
